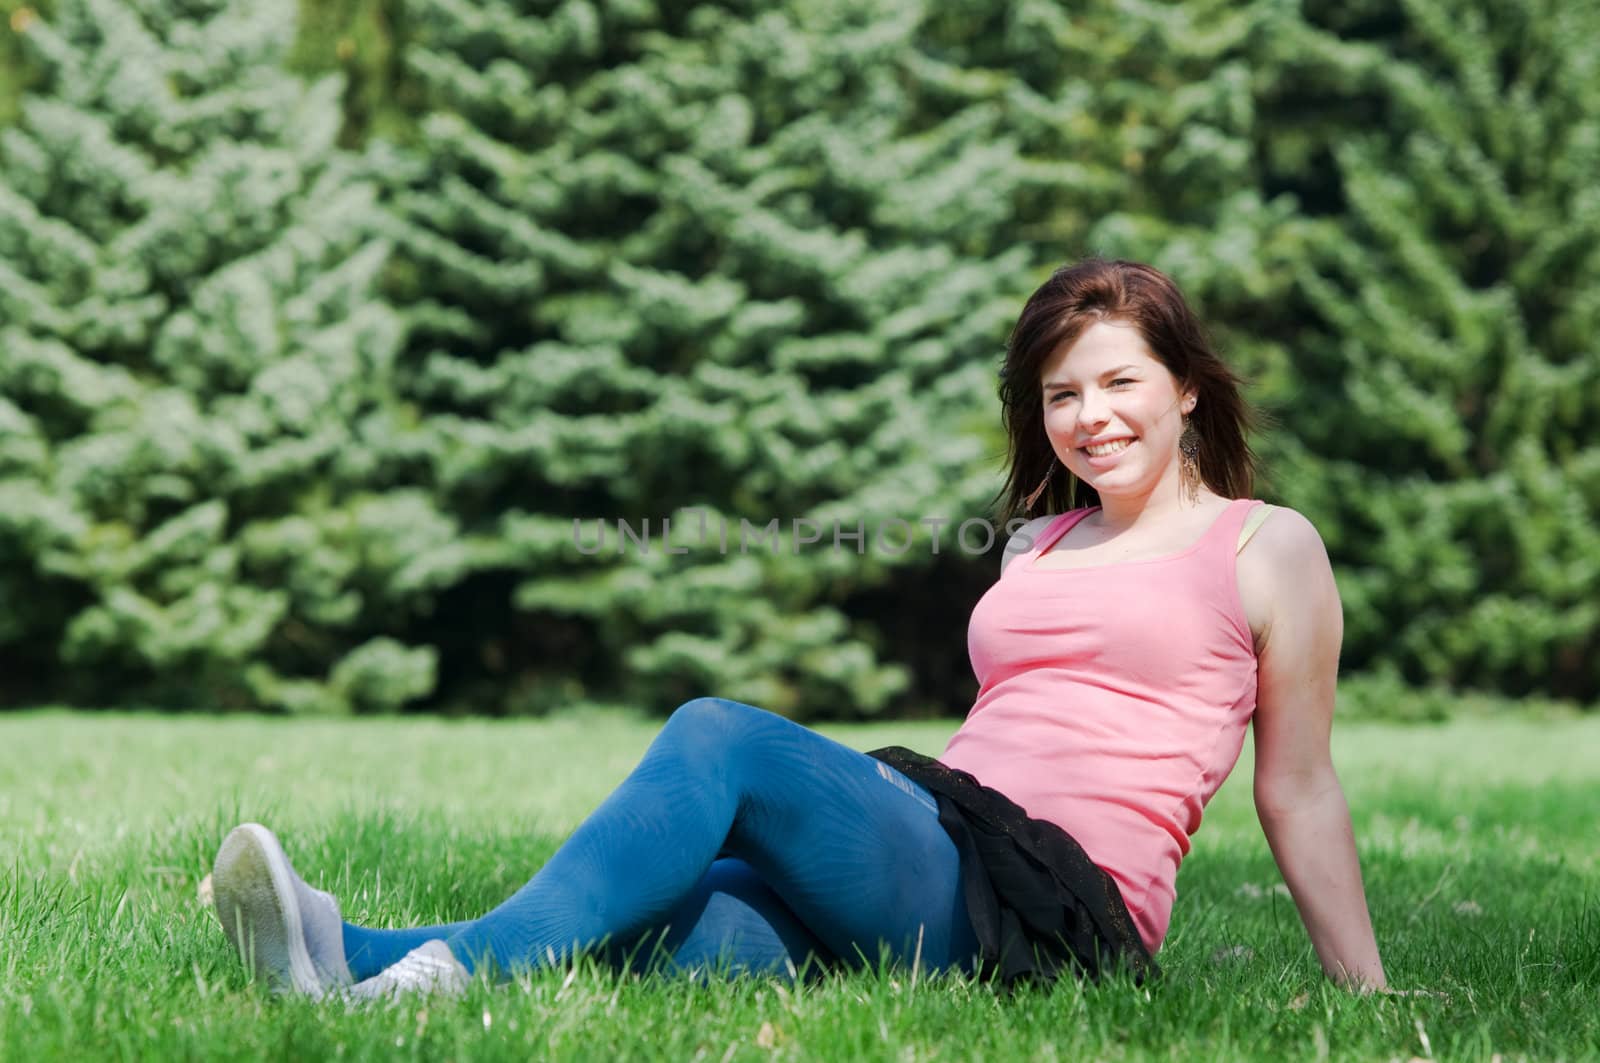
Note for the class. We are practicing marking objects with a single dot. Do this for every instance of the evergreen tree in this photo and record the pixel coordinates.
(659, 259)
(1448, 374)
(753, 262)
(195, 392)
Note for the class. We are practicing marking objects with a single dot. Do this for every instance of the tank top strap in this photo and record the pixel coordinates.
(1223, 537)
(1057, 528)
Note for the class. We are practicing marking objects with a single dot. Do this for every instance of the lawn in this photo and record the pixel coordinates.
(1478, 838)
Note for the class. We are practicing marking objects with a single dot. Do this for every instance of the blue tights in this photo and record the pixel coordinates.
(741, 838)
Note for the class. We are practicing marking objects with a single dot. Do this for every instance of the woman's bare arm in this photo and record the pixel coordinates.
(1297, 794)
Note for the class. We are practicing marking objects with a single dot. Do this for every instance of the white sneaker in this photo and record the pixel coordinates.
(429, 968)
(289, 934)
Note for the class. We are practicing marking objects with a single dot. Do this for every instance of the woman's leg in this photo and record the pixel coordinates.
(731, 917)
(853, 848)
(368, 951)
(731, 921)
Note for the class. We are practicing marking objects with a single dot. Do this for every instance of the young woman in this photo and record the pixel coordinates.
(1120, 656)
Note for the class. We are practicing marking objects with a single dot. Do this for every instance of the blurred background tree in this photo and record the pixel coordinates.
(760, 260)
(1449, 309)
(197, 376)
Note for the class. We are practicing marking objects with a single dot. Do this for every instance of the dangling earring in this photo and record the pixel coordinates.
(1189, 466)
(1028, 502)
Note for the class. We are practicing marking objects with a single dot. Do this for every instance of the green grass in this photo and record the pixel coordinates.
(1478, 839)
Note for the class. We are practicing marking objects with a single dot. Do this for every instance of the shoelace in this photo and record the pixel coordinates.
(418, 970)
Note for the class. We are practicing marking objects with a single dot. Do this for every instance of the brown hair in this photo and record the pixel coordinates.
(1056, 315)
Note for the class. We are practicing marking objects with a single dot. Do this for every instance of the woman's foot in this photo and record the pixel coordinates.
(429, 968)
(289, 934)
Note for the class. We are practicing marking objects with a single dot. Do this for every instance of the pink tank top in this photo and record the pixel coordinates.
(1113, 701)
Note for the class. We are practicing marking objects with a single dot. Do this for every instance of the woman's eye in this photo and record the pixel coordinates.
(1121, 381)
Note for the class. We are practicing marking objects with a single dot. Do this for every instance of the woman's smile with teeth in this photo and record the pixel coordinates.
(1100, 450)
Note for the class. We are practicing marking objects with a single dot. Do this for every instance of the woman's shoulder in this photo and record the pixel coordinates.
(1027, 537)
(1282, 535)
(1277, 562)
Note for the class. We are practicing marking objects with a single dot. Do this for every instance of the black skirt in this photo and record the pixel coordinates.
(1038, 904)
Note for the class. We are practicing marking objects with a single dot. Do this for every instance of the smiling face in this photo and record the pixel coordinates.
(1113, 413)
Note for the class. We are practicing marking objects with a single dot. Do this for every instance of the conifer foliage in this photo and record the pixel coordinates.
(1448, 361)
(287, 427)
(658, 257)
(196, 382)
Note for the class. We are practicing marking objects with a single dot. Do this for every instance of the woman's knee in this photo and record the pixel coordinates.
(714, 721)
(707, 725)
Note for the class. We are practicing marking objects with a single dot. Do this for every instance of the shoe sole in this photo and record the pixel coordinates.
(253, 885)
